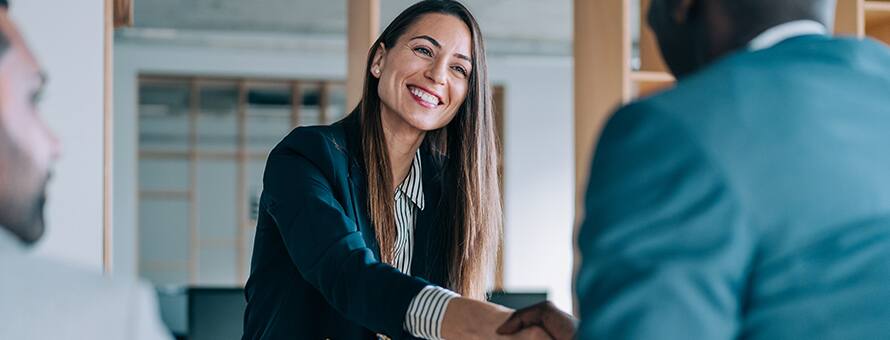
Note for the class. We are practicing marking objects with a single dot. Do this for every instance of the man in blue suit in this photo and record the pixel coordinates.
(750, 201)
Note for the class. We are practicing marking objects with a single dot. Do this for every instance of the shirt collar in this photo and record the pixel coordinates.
(788, 30)
(412, 185)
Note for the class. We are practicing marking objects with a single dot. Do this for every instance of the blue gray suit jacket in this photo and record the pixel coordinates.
(315, 271)
(752, 201)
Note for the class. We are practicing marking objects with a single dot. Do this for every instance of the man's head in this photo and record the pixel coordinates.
(693, 33)
(27, 147)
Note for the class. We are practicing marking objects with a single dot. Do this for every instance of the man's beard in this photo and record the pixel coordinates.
(23, 191)
(36, 219)
(22, 198)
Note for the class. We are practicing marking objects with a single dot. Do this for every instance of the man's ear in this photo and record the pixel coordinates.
(682, 11)
(378, 63)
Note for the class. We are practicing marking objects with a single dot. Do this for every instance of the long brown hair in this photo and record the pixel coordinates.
(471, 203)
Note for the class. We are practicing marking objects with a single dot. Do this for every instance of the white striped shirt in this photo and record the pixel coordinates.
(426, 310)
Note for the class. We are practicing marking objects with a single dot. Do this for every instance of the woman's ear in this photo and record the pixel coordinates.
(377, 63)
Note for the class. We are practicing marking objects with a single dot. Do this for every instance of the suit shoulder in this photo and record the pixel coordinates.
(314, 143)
(46, 289)
(75, 275)
(314, 137)
(706, 103)
(648, 113)
(63, 282)
(325, 148)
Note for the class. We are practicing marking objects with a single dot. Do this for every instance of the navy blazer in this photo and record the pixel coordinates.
(315, 272)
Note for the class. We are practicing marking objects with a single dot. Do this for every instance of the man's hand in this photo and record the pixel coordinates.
(532, 333)
(558, 324)
(468, 319)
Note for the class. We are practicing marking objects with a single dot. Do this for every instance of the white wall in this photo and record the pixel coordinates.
(68, 37)
(538, 173)
(538, 149)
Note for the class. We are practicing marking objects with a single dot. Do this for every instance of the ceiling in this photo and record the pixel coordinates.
(527, 20)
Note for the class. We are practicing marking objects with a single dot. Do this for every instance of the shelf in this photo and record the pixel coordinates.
(649, 82)
(877, 13)
(877, 20)
(651, 77)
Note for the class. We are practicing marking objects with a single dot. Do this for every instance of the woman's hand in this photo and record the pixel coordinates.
(471, 319)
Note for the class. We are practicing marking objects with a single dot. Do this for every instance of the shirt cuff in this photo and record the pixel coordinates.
(425, 313)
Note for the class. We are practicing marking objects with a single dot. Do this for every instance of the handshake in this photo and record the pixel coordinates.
(471, 319)
(544, 319)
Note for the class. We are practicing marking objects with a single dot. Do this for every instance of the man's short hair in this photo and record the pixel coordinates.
(757, 14)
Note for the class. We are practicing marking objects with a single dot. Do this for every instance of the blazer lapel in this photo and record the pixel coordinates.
(358, 188)
(428, 259)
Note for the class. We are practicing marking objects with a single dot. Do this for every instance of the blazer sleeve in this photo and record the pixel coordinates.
(665, 249)
(327, 248)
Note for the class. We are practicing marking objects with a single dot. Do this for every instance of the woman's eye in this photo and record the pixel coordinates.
(423, 50)
(460, 70)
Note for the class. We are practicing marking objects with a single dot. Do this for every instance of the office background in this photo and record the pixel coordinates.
(217, 45)
(164, 123)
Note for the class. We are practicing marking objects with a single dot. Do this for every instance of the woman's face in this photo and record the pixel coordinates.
(424, 77)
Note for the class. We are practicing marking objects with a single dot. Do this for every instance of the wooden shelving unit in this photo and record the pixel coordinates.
(877, 20)
(604, 78)
(651, 77)
(648, 82)
(864, 19)
(653, 74)
(855, 17)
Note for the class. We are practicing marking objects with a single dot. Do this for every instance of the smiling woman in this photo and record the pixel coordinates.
(386, 224)
(422, 81)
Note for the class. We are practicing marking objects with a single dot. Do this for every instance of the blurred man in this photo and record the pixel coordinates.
(752, 201)
(40, 299)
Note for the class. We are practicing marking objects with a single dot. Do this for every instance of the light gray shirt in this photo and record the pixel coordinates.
(42, 299)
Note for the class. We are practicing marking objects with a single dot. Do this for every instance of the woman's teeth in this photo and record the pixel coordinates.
(425, 96)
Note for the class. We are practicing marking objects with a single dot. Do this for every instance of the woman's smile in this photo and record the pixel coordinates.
(424, 97)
